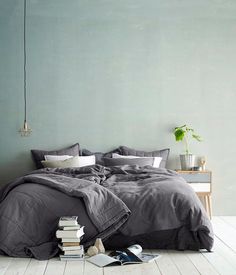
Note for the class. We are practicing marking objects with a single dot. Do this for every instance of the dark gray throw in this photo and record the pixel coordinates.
(158, 199)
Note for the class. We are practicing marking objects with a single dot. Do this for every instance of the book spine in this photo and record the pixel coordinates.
(64, 223)
(68, 228)
(68, 244)
(71, 258)
(70, 240)
(70, 233)
(73, 253)
(67, 248)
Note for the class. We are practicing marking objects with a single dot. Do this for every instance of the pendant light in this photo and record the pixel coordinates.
(25, 131)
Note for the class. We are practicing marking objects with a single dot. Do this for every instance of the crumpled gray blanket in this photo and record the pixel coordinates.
(131, 200)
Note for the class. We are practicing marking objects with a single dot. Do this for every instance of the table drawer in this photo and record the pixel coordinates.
(196, 177)
(201, 187)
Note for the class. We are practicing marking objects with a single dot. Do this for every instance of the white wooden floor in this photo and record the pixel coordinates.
(221, 261)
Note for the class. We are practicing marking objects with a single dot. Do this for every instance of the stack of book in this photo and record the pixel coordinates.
(70, 232)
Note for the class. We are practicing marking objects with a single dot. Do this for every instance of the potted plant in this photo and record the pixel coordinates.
(183, 133)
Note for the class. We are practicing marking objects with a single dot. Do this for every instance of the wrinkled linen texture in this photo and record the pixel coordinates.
(131, 200)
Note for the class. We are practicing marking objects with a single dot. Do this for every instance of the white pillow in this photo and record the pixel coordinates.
(156, 163)
(56, 157)
(87, 160)
(77, 161)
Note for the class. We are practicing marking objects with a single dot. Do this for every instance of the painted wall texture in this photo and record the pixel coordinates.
(109, 73)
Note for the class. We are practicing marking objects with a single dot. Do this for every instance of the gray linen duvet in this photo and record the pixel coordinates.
(123, 205)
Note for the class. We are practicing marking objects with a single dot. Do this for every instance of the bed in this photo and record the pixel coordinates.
(123, 205)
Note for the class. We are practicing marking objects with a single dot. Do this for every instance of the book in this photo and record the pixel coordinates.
(70, 233)
(70, 240)
(73, 252)
(76, 227)
(69, 244)
(71, 258)
(66, 248)
(68, 221)
(123, 257)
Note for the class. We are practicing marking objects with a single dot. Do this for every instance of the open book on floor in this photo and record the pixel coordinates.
(131, 255)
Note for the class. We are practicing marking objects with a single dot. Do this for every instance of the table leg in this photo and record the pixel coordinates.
(209, 205)
(206, 204)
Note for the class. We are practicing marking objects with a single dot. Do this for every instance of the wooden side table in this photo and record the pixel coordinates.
(201, 182)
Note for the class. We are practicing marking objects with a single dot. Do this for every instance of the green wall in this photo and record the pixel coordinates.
(109, 73)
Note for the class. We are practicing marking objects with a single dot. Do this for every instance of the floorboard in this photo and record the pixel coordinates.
(224, 232)
(201, 263)
(90, 268)
(165, 263)
(74, 268)
(4, 263)
(55, 267)
(183, 263)
(231, 220)
(225, 251)
(17, 266)
(221, 261)
(137, 269)
(221, 265)
(36, 267)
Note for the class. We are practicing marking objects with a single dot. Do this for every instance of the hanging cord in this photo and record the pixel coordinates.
(25, 131)
(25, 100)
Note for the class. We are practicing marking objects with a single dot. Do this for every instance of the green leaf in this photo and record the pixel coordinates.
(179, 134)
(180, 127)
(197, 137)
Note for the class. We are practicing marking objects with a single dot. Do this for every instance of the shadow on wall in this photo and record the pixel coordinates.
(173, 162)
(22, 164)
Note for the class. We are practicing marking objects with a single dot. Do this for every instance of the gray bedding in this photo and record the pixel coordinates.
(122, 205)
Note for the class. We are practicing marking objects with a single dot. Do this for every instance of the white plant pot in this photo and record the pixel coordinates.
(187, 161)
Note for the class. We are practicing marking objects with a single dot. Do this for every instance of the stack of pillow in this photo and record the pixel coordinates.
(118, 159)
(125, 155)
(71, 157)
(67, 157)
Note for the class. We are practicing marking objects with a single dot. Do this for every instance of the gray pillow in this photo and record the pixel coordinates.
(99, 156)
(121, 161)
(38, 155)
(164, 153)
